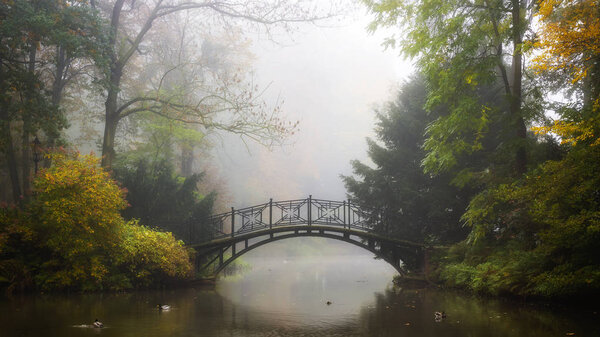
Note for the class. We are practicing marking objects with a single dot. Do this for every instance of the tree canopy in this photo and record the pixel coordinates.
(490, 74)
(459, 46)
(415, 205)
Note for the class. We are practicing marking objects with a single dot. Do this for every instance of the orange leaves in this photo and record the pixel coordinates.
(569, 41)
(571, 132)
(569, 37)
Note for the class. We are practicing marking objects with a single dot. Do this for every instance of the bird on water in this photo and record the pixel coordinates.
(163, 307)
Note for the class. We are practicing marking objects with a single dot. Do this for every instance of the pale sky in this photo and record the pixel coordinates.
(330, 80)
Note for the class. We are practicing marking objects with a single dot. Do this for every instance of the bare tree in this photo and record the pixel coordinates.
(184, 65)
(130, 24)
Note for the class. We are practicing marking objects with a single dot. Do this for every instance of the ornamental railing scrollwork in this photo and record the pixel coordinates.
(291, 213)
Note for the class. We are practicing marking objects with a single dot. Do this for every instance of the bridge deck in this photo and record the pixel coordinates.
(304, 228)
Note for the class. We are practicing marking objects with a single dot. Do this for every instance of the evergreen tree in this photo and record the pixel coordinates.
(415, 205)
(158, 197)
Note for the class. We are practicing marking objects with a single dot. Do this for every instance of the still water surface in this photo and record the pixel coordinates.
(288, 297)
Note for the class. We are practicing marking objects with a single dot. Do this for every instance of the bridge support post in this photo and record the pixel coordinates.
(309, 212)
(344, 209)
(349, 215)
(232, 221)
(271, 213)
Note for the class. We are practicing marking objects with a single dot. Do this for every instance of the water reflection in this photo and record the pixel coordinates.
(406, 312)
(288, 298)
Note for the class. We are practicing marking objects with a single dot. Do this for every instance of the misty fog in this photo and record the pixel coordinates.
(328, 76)
(331, 79)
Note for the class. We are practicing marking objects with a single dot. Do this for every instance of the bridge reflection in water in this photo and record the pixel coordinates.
(234, 233)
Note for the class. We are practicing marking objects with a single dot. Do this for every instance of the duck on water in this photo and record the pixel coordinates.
(163, 307)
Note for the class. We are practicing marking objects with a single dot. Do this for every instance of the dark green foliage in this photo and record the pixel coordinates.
(533, 216)
(43, 47)
(160, 198)
(31, 27)
(536, 236)
(416, 206)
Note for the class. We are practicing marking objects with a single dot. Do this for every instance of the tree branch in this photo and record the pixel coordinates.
(499, 52)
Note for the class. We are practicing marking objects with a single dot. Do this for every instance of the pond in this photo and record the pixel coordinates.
(282, 296)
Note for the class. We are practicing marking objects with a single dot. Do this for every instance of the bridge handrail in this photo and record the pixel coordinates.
(364, 209)
(293, 212)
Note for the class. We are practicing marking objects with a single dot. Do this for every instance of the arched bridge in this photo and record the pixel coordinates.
(234, 233)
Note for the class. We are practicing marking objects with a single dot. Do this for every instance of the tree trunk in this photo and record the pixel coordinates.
(11, 162)
(25, 158)
(518, 122)
(187, 159)
(25, 144)
(591, 84)
(58, 84)
(57, 89)
(112, 118)
(6, 144)
(108, 144)
(116, 70)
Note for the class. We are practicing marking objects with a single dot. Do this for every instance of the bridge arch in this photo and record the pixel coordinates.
(399, 254)
(255, 226)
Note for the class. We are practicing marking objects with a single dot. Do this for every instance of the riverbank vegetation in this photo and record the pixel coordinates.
(478, 153)
(146, 82)
(70, 235)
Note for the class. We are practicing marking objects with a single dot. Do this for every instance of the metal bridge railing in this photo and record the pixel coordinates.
(307, 211)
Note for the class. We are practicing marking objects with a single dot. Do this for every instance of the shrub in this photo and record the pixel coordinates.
(70, 235)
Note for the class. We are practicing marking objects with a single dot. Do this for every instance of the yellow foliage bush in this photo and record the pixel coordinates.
(148, 254)
(71, 234)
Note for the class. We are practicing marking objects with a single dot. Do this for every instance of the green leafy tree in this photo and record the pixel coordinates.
(459, 46)
(42, 47)
(537, 236)
(158, 193)
(415, 205)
